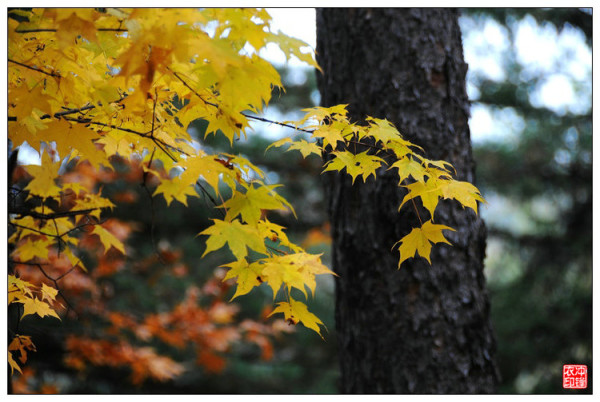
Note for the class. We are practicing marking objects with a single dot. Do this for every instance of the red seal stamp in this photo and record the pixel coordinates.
(575, 376)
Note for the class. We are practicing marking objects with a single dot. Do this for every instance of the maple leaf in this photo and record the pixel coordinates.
(247, 276)
(208, 167)
(401, 147)
(356, 165)
(420, 240)
(295, 312)
(75, 140)
(382, 130)
(429, 191)
(279, 143)
(294, 270)
(21, 343)
(25, 100)
(18, 289)
(462, 191)
(237, 236)
(320, 113)
(174, 189)
(37, 306)
(292, 46)
(44, 175)
(306, 148)
(251, 204)
(91, 201)
(73, 22)
(332, 133)
(13, 364)
(48, 293)
(108, 239)
(275, 233)
(408, 167)
(32, 248)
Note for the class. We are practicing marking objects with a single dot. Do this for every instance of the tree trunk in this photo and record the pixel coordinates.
(420, 329)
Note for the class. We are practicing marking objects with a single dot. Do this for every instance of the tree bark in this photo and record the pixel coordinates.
(420, 329)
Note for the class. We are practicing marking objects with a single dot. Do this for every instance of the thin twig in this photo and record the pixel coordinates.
(55, 215)
(24, 31)
(192, 89)
(249, 116)
(160, 143)
(152, 214)
(417, 211)
(55, 281)
(205, 192)
(69, 111)
(51, 74)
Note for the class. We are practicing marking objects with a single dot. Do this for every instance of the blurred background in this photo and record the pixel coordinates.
(530, 82)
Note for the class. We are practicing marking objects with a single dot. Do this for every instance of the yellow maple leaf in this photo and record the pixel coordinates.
(296, 270)
(37, 306)
(382, 130)
(362, 164)
(209, 167)
(251, 204)
(462, 191)
(292, 46)
(32, 248)
(73, 22)
(24, 100)
(91, 201)
(13, 364)
(319, 113)
(420, 240)
(408, 167)
(44, 175)
(18, 289)
(108, 239)
(279, 143)
(277, 272)
(429, 191)
(48, 293)
(247, 276)
(175, 189)
(237, 236)
(295, 312)
(306, 148)
(332, 133)
(275, 233)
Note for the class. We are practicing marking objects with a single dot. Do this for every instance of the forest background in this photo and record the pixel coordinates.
(532, 138)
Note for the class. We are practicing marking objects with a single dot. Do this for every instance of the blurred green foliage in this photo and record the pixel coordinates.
(538, 181)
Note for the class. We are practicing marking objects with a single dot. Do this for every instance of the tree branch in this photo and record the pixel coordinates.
(51, 74)
(33, 30)
(55, 215)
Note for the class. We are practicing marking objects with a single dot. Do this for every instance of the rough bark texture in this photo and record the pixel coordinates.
(420, 329)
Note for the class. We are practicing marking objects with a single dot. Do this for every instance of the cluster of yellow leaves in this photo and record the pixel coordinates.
(21, 291)
(90, 84)
(427, 179)
(86, 85)
(34, 300)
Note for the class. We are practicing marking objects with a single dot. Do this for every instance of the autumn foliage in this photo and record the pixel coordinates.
(108, 94)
